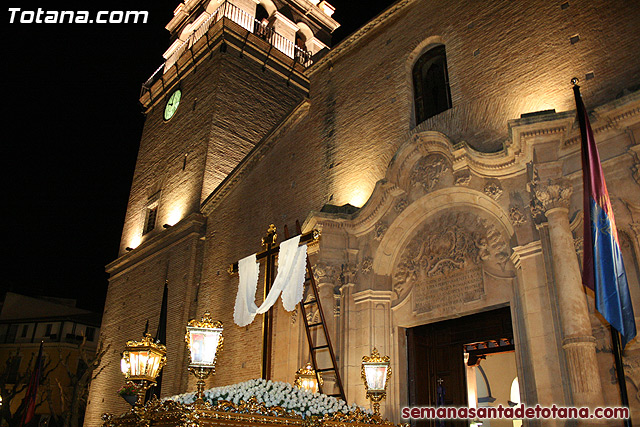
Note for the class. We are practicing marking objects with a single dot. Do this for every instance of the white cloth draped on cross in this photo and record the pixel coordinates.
(289, 281)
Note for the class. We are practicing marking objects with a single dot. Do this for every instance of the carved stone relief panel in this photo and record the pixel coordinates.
(444, 262)
(428, 171)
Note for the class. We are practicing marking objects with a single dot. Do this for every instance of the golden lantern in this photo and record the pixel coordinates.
(141, 363)
(307, 378)
(376, 371)
(204, 341)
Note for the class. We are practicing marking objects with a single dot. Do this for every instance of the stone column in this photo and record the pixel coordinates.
(578, 342)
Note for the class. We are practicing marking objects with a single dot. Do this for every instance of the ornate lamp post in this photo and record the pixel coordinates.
(376, 371)
(306, 378)
(141, 363)
(204, 341)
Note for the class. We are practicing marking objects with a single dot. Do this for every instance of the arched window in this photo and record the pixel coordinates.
(431, 84)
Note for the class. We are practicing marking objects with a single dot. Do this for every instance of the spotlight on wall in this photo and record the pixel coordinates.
(166, 226)
(128, 249)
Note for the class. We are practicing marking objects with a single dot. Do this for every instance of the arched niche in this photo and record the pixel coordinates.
(305, 34)
(269, 6)
(447, 254)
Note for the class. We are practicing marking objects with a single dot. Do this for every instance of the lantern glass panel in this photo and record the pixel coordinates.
(138, 362)
(153, 365)
(310, 384)
(203, 345)
(124, 365)
(376, 374)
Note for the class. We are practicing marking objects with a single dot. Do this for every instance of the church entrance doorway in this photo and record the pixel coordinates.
(445, 364)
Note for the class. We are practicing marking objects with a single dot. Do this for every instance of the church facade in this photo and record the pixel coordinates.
(436, 150)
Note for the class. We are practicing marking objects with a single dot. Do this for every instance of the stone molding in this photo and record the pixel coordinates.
(191, 226)
(370, 295)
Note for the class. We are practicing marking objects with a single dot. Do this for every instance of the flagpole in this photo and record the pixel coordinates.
(622, 382)
(615, 335)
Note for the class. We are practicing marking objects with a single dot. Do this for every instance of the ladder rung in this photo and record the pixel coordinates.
(335, 395)
(309, 302)
(320, 347)
(325, 369)
(308, 279)
(313, 325)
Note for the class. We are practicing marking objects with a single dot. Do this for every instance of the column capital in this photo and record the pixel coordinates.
(554, 194)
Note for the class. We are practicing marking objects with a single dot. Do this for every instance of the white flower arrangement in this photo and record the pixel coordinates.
(273, 393)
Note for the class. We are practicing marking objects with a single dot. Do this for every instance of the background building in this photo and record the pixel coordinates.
(25, 322)
(450, 127)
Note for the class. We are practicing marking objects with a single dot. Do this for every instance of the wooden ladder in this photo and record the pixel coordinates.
(323, 342)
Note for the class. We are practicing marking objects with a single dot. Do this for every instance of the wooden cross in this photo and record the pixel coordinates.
(269, 253)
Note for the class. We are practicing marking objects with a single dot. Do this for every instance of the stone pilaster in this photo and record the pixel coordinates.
(578, 342)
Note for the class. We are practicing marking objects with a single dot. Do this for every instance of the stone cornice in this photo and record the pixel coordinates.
(370, 295)
(525, 251)
(255, 155)
(315, 12)
(347, 44)
(193, 225)
(611, 116)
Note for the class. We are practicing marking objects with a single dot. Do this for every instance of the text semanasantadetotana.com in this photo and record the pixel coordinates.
(17, 15)
(522, 412)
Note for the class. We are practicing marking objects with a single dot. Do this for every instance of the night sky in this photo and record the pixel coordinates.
(71, 129)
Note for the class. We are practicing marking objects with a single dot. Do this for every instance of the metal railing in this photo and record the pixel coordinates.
(246, 21)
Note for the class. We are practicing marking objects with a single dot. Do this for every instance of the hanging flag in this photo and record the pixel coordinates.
(29, 401)
(161, 334)
(603, 267)
(160, 338)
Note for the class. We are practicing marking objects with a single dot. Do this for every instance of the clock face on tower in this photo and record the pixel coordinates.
(172, 104)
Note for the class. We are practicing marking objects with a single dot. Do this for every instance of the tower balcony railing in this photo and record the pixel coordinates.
(246, 21)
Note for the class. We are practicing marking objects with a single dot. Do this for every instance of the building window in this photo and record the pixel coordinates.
(150, 222)
(25, 329)
(90, 333)
(48, 331)
(431, 84)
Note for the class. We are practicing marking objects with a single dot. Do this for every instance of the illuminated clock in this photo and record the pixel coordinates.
(172, 104)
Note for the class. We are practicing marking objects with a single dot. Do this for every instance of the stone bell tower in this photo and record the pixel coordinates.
(233, 71)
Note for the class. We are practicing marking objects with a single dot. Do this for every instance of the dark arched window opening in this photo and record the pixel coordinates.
(262, 24)
(431, 84)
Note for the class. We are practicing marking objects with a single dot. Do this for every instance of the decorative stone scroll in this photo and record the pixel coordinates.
(493, 189)
(444, 262)
(516, 216)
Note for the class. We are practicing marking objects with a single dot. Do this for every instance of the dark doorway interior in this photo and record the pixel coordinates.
(436, 356)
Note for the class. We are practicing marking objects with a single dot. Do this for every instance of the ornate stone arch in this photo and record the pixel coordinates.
(454, 238)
